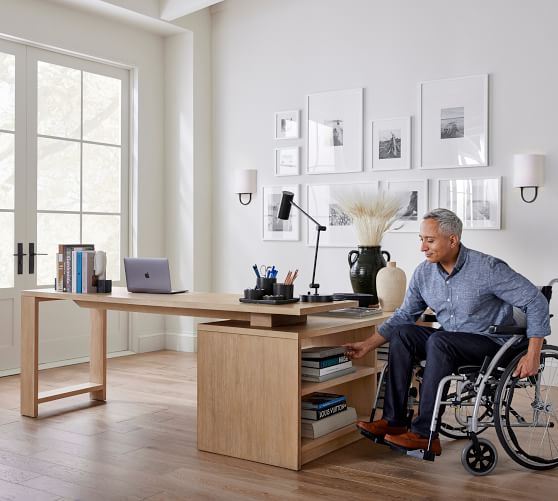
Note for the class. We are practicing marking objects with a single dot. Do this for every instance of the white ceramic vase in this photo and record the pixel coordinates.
(391, 284)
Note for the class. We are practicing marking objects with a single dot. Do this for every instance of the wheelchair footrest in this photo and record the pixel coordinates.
(375, 438)
(415, 453)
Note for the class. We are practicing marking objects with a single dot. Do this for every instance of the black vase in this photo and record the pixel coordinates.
(364, 265)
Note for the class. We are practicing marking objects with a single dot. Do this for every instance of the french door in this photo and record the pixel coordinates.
(63, 179)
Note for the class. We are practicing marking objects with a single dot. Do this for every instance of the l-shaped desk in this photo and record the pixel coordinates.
(249, 386)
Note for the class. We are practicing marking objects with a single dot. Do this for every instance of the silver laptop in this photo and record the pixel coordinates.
(148, 274)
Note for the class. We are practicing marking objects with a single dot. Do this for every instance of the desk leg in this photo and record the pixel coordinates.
(98, 350)
(29, 356)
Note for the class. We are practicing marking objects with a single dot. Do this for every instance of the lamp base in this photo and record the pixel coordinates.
(316, 298)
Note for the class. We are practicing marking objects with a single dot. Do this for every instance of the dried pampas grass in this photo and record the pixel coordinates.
(373, 212)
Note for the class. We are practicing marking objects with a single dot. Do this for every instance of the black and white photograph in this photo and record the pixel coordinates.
(287, 124)
(452, 123)
(287, 161)
(324, 207)
(476, 201)
(273, 227)
(414, 203)
(391, 143)
(335, 131)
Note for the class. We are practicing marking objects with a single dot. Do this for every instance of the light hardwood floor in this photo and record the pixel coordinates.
(141, 444)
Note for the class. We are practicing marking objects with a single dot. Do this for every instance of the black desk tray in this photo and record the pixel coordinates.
(269, 301)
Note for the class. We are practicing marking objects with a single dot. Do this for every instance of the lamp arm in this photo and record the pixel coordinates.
(314, 285)
(323, 228)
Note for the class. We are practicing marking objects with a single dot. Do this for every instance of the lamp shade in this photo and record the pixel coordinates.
(245, 181)
(528, 170)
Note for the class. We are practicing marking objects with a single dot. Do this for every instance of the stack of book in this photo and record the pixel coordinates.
(323, 413)
(321, 363)
(75, 268)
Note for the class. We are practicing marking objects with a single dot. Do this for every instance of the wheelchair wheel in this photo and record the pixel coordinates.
(526, 413)
(481, 459)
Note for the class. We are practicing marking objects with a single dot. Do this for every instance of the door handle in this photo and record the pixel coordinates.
(20, 255)
(32, 255)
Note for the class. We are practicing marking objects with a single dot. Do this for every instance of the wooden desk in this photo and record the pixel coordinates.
(249, 386)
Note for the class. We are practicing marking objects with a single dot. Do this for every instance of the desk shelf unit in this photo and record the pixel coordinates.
(251, 406)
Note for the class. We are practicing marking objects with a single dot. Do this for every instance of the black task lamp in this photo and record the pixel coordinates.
(284, 212)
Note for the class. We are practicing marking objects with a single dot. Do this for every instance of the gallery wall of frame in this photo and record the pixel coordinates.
(451, 132)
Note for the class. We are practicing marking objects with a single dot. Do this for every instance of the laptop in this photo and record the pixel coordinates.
(148, 274)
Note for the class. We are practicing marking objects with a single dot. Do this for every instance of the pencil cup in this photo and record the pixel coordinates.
(266, 284)
(284, 290)
(253, 293)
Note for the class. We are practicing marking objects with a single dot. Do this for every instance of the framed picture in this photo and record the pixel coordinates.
(415, 193)
(287, 161)
(335, 132)
(475, 201)
(274, 228)
(391, 144)
(287, 124)
(323, 208)
(453, 122)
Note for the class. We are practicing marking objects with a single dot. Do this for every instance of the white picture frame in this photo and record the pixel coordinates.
(287, 161)
(335, 131)
(453, 122)
(272, 227)
(321, 206)
(475, 200)
(391, 143)
(416, 191)
(287, 124)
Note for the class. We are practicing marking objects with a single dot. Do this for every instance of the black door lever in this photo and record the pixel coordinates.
(32, 255)
(20, 255)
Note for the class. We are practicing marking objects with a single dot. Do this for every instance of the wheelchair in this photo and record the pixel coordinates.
(524, 411)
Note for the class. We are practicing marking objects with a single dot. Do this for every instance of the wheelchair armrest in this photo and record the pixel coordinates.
(507, 330)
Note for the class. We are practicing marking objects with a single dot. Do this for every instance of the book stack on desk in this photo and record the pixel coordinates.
(322, 363)
(323, 413)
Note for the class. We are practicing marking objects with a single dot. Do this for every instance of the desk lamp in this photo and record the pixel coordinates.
(284, 212)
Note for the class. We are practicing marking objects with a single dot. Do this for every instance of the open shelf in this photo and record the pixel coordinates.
(314, 448)
(308, 387)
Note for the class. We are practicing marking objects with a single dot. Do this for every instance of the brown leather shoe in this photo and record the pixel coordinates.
(379, 428)
(412, 441)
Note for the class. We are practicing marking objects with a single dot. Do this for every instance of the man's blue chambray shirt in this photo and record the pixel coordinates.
(479, 292)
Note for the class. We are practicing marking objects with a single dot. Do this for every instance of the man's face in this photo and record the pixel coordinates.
(436, 246)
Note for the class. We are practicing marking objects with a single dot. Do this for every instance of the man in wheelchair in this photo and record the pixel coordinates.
(469, 292)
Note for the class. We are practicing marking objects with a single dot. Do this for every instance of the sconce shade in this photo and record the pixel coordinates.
(528, 170)
(246, 181)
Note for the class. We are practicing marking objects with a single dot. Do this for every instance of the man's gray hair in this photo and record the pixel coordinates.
(449, 222)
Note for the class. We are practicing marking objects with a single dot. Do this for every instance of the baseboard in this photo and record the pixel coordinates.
(63, 363)
(150, 342)
(182, 341)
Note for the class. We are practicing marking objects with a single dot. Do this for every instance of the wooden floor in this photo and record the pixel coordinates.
(141, 444)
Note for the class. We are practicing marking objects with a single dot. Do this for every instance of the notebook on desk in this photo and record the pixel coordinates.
(148, 274)
(357, 312)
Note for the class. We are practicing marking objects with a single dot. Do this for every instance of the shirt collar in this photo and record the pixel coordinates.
(461, 258)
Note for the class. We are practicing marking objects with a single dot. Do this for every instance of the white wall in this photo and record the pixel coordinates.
(61, 27)
(268, 55)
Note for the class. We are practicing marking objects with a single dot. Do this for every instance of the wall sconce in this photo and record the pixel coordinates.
(245, 183)
(528, 172)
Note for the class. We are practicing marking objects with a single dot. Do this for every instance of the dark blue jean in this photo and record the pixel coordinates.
(443, 351)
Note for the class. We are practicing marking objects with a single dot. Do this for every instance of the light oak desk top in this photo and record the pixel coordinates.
(194, 304)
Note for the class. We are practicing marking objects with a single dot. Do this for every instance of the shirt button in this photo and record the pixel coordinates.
(448, 298)
(451, 316)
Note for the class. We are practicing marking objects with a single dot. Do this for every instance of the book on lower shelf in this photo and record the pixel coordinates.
(316, 415)
(315, 429)
(327, 377)
(317, 352)
(321, 400)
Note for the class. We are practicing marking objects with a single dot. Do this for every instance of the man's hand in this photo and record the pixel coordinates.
(357, 350)
(529, 363)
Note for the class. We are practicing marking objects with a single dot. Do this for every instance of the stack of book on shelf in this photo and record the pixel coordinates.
(323, 413)
(321, 363)
(75, 268)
